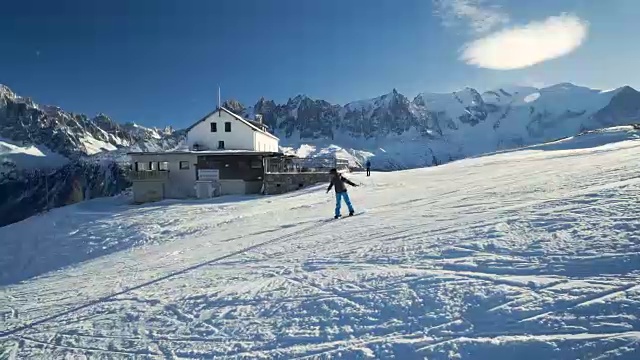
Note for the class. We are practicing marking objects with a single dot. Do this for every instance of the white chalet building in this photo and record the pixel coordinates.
(224, 130)
(225, 155)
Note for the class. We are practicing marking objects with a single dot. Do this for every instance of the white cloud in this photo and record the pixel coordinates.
(479, 15)
(524, 46)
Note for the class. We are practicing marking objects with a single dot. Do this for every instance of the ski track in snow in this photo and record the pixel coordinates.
(529, 255)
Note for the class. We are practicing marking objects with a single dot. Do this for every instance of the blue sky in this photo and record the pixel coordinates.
(159, 62)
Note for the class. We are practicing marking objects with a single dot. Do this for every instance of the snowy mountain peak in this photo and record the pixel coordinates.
(234, 106)
(443, 125)
(7, 95)
(394, 94)
(567, 86)
(68, 134)
(626, 89)
(447, 126)
(296, 100)
(5, 91)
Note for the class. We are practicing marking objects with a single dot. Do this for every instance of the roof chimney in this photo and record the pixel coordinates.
(259, 118)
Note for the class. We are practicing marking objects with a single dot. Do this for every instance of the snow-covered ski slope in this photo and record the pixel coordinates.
(531, 254)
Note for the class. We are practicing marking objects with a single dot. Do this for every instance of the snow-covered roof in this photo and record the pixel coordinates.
(237, 117)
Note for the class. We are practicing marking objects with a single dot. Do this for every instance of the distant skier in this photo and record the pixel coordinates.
(338, 183)
(368, 165)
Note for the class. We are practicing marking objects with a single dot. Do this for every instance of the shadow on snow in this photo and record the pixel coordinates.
(84, 231)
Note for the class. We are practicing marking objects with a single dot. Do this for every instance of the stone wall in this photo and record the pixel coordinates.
(286, 182)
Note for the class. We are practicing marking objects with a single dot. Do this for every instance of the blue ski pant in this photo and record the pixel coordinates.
(343, 196)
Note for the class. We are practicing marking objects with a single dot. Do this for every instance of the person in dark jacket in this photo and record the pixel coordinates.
(338, 184)
(368, 165)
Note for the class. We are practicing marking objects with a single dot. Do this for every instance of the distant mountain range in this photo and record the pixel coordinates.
(83, 154)
(435, 128)
(53, 131)
(391, 129)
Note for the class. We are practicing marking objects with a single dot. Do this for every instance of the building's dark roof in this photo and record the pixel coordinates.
(238, 117)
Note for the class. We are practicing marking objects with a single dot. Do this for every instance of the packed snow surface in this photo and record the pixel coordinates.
(531, 254)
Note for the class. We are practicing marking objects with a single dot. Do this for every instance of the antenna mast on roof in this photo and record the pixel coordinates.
(219, 98)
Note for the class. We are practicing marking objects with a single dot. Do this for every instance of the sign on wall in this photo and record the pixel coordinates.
(208, 174)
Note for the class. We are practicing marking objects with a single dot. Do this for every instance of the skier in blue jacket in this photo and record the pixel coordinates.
(338, 183)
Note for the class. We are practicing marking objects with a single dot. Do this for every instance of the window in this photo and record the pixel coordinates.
(184, 165)
(153, 165)
(163, 166)
(220, 144)
(227, 127)
(214, 127)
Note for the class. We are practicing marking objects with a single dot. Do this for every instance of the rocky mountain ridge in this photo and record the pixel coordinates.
(435, 128)
(72, 135)
(78, 154)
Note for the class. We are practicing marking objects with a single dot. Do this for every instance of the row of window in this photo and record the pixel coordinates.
(260, 146)
(198, 147)
(158, 165)
(227, 127)
(185, 165)
(236, 164)
(152, 165)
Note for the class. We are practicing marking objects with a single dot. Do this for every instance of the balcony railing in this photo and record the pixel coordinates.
(149, 175)
(298, 165)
